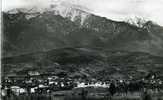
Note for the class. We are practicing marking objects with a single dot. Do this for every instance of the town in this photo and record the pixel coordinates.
(36, 83)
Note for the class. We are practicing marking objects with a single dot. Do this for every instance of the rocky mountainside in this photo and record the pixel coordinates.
(65, 25)
(31, 30)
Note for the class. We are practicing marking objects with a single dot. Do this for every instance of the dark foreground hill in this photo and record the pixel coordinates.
(87, 63)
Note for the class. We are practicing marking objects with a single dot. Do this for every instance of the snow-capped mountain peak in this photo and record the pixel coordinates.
(67, 10)
(56, 7)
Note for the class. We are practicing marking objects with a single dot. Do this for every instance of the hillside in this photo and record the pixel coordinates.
(88, 63)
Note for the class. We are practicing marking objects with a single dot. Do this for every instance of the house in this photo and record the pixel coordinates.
(18, 90)
(33, 73)
(3, 92)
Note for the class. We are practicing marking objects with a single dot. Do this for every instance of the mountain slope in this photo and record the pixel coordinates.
(63, 25)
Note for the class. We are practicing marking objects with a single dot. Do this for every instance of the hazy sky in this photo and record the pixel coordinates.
(113, 9)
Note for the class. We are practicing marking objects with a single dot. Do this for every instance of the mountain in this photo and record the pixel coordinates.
(72, 12)
(64, 25)
(88, 63)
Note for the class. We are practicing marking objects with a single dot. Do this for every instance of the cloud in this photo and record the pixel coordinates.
(113, 9)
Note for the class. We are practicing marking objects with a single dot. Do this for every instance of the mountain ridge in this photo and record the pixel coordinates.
(51, 29)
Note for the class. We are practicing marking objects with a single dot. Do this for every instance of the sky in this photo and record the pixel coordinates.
(113, 9)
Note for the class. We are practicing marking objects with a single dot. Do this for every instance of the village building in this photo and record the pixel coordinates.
(33, 73)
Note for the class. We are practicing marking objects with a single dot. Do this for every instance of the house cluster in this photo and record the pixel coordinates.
(36, 83)
(92, 84)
